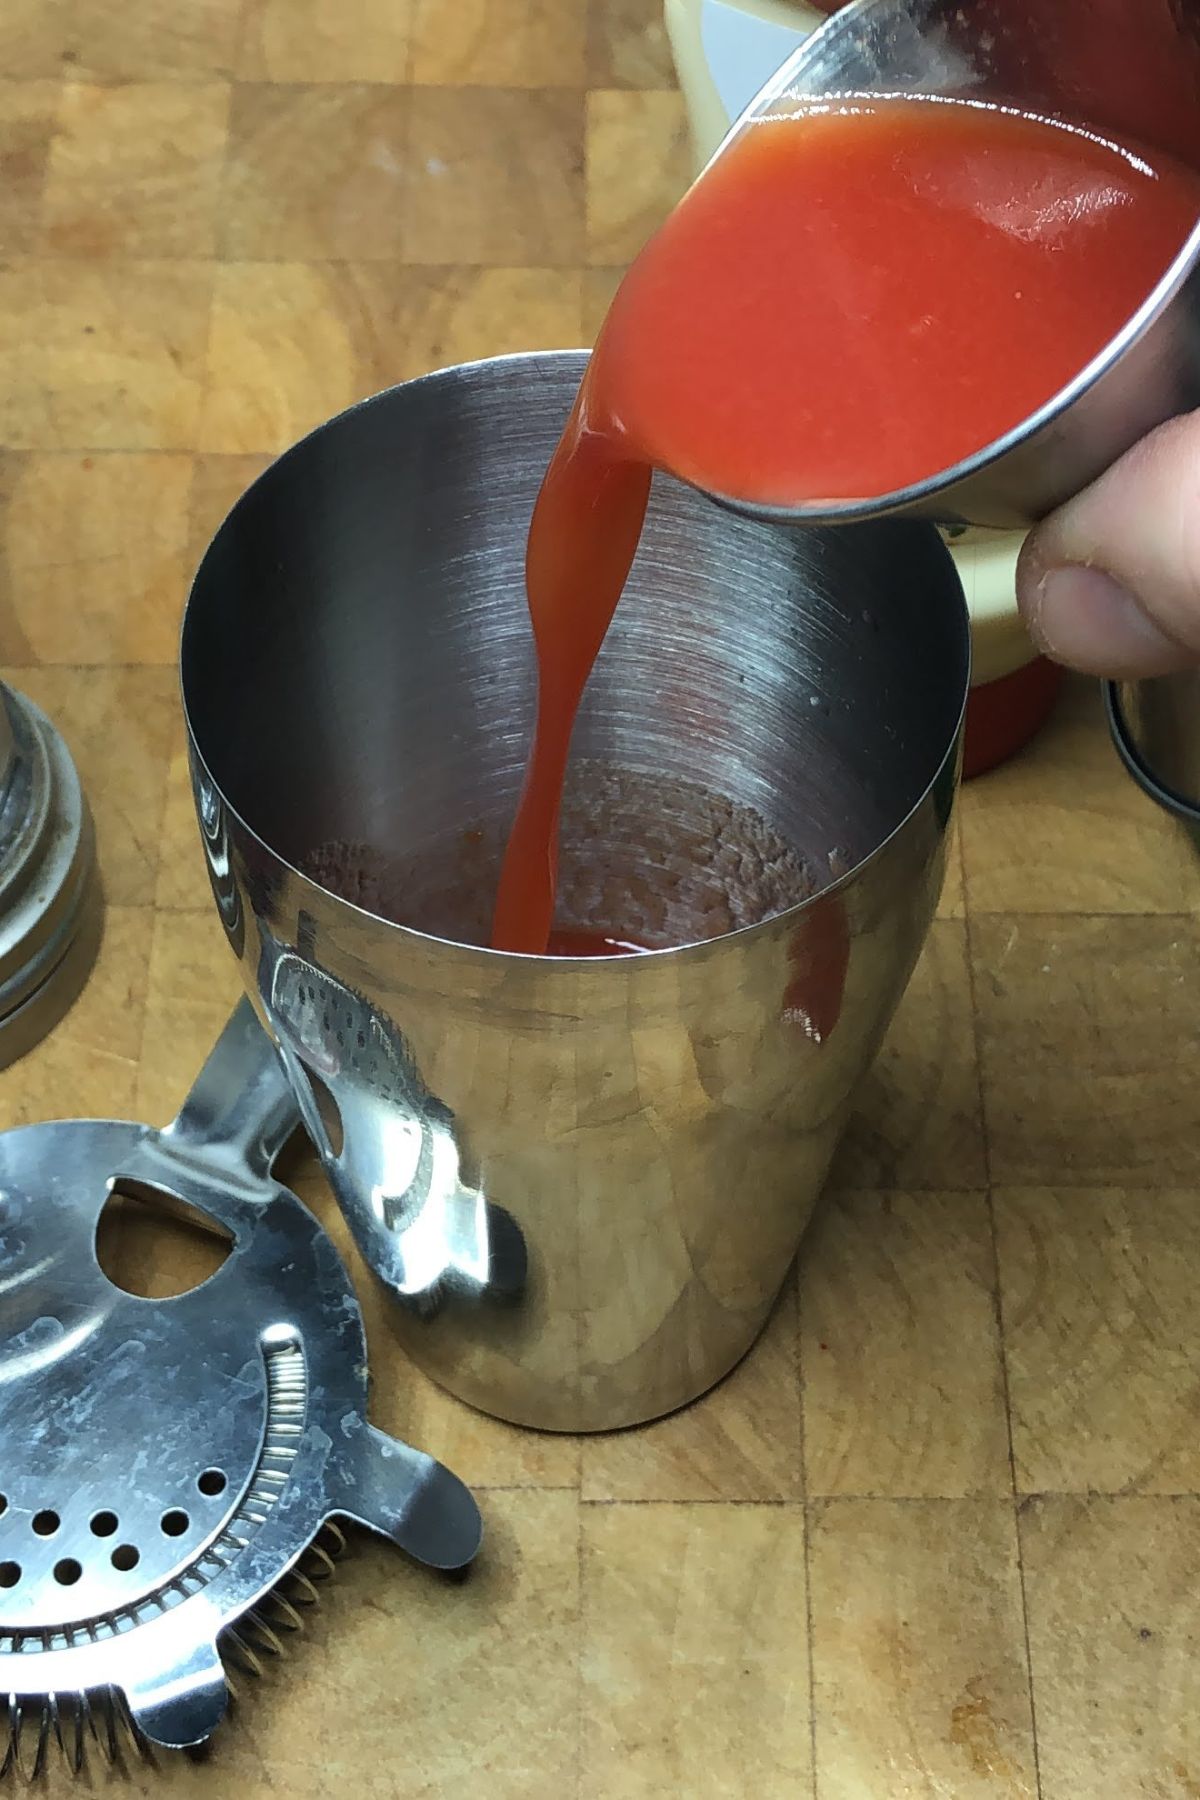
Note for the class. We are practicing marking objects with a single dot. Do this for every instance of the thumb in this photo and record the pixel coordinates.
(1110, 584)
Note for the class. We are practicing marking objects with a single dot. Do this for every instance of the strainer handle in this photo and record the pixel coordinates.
(240, 1112)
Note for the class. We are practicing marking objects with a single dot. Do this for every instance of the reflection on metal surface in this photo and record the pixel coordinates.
(215, 839)
(388, 1144)
(819, 954)
(625, 1152)
(166, 1462)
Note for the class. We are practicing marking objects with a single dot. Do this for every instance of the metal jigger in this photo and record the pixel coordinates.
(1132, 71)
(49, 898)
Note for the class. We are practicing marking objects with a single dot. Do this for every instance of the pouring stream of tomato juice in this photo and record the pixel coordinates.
(855, 296)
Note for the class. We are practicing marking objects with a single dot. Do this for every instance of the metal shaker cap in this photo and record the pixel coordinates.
(49, 898)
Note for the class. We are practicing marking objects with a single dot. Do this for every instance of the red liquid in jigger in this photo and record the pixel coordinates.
(853, 299)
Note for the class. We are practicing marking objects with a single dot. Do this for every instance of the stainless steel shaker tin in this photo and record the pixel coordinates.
(1155, 725)
(581, 1182)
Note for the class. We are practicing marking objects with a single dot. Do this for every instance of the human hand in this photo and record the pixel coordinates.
(1110, 583)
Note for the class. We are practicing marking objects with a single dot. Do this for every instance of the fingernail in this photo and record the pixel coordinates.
(1086, 619)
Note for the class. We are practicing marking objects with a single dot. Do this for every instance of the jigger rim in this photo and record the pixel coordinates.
(593, 968)
(919, 498)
